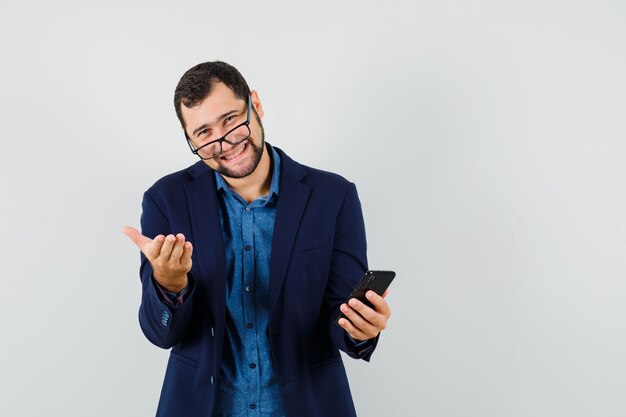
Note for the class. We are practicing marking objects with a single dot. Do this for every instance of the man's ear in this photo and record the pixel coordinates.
(256, 103)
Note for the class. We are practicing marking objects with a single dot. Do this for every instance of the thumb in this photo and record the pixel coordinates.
(138, 239)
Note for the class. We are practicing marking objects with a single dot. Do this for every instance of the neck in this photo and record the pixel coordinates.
(256, 184)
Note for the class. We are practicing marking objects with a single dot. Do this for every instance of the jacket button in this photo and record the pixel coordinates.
(213, 331)
(212, 381)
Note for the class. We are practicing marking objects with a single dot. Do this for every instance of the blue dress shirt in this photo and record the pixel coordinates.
(248, 384)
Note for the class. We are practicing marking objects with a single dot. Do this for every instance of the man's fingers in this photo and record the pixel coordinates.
(138, 239)
(150, 247)
(153, 250)
(177, 251)
(372, 316)
(166, 249)
(379, 303)
(353, 331)
(358, 321)
(187, 252)
(185, 259)
(169, 249)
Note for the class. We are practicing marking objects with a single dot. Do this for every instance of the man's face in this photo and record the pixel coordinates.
(217, 114)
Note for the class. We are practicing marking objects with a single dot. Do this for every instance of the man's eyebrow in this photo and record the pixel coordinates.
(221, 117)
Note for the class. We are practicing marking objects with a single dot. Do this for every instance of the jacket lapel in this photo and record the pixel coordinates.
(292, 200)
(208, 242)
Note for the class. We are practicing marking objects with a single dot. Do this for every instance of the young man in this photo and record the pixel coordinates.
(250, 308)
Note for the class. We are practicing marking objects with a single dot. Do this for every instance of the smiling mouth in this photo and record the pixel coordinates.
(238, 151)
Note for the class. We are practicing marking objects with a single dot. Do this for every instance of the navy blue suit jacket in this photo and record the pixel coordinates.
(318, 255)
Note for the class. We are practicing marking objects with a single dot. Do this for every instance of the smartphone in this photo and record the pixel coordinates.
(377, 281)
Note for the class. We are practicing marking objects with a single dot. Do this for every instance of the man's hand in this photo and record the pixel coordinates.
(169, 256)
(365, 323)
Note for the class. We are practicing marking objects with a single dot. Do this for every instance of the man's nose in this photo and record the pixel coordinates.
(227, 146)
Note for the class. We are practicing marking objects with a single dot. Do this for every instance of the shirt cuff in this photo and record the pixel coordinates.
(360, 349)
(171, 298)
(356, 343)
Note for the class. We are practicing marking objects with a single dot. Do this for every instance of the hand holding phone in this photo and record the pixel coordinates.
(377, 281)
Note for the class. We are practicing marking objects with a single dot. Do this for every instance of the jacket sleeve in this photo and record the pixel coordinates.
(162, 323)
(348, 264)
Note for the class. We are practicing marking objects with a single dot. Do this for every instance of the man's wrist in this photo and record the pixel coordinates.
(173, 286)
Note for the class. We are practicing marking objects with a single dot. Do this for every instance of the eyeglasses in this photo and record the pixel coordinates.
(233, 137)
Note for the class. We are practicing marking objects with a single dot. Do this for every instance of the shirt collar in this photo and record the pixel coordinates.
(275, 185)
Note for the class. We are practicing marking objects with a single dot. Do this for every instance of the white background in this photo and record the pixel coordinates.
(486, 139)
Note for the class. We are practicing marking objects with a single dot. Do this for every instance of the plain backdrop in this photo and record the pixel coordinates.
(486, 138)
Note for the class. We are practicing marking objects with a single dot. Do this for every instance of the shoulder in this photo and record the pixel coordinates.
(314, 177)
(172, 187)
(326, 181)
(176, 180)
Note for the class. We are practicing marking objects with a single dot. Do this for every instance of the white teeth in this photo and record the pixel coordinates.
(228, 158)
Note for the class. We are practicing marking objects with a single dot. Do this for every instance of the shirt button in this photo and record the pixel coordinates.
(252, 365)
(248, 288)
(247, 247)
(248, 209)
(249, 326)
(252, 406)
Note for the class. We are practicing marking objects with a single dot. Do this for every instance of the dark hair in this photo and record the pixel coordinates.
(196, 84)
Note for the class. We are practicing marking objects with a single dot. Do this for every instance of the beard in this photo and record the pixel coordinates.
(253, 161)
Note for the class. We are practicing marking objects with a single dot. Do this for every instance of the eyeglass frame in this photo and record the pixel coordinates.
(223, 138)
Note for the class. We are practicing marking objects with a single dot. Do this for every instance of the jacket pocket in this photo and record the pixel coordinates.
(184, 359)
(310, 244)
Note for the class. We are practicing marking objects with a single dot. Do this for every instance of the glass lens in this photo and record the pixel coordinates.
(238, 135)
(210, 151)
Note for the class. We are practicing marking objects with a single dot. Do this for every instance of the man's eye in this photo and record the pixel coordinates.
(229, 119)
(203, 132)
